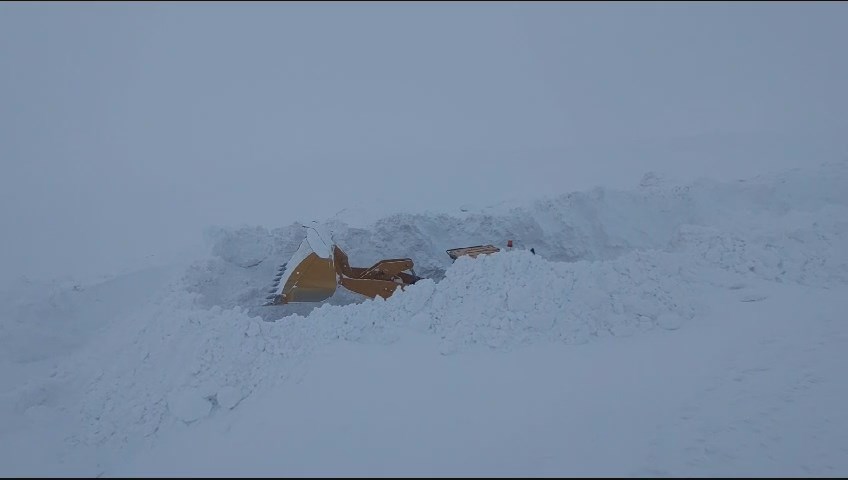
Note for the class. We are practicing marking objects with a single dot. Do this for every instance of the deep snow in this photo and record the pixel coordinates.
(665, 330)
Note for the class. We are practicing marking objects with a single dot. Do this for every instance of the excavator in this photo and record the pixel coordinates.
(319, 266)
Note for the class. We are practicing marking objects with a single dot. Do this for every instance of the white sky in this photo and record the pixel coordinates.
(126, 128)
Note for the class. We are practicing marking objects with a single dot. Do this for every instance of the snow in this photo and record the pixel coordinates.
(666, 330)
(696, 401)
(320, 239)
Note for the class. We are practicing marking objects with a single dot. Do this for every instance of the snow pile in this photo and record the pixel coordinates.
(518, 298)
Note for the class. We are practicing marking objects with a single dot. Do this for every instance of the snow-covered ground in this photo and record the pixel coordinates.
(664, 330)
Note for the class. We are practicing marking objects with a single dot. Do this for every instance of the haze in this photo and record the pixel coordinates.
(126, 129)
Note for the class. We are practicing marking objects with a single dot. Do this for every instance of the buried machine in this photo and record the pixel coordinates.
(319, 265)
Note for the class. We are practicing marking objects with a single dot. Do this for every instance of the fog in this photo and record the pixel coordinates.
(126, 129)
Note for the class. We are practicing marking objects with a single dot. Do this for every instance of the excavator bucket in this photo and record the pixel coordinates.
(310, 275)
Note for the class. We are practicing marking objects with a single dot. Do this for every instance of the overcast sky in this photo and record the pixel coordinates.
(126, 128)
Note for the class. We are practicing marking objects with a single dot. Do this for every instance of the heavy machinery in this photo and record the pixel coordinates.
(319, 266)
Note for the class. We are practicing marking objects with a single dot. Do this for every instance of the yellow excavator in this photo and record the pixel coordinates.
(319, 265)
